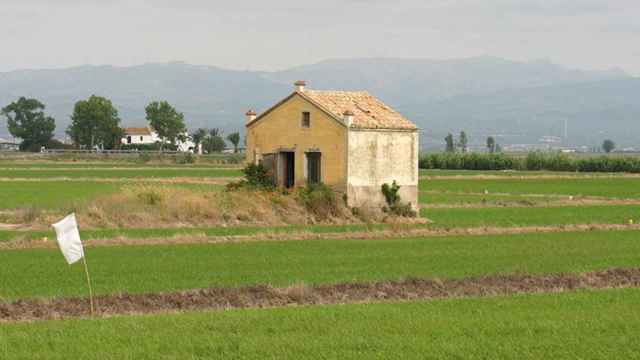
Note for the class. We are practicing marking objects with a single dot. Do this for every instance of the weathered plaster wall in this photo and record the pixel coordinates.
(378, 157)
(282, 128)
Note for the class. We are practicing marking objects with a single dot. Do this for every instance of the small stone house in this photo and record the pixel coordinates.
(348, 140)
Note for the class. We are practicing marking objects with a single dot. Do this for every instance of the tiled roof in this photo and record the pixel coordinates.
(369, 111)
(137, 131)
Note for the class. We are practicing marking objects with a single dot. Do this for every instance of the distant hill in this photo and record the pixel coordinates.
(483, 95)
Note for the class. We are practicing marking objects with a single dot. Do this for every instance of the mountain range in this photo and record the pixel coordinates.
(519, 102)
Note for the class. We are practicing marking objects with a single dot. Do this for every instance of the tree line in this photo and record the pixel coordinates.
(533, 161)
(462, 144)
(95, 123)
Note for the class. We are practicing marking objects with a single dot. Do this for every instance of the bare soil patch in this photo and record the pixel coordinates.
(263, 296)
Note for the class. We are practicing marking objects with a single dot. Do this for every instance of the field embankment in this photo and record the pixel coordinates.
(300, 294)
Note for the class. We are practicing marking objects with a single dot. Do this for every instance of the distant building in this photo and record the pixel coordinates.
(9, 145)
(141, 135)
(348, 140)
(146, 136)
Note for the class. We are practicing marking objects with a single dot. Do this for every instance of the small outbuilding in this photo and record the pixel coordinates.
(348, 140)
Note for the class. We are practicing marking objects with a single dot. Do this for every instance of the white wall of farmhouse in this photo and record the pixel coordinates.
(140, 139)
(376, 157)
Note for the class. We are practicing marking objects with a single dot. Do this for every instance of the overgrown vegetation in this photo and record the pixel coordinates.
(394, 204)
(320, 200)
(532, 162)
(256, 177)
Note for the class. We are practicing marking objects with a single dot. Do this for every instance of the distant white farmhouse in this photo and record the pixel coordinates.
(139, 135)
(8, 145)
(145, 135)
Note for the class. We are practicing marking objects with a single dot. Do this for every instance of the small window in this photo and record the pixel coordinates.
(141, 138)
(306, 119)
(314, 165)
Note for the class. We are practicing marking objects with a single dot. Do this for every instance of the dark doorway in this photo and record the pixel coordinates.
(314, 162)
(289, 169)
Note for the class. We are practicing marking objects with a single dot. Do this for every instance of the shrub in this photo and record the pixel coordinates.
(144, 158)
(395, 206)
(150, 197)
(391, 193)
(320, 200)
(186, 158)
(256, 177)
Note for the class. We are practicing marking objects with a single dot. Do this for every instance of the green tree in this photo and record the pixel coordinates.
(166, 121)
(214, 143)
(198, 136)
(449, 147)
(26, 120)
(608, 145)
(234, 138)
(491, 144)
(463, 142)
(95, 121)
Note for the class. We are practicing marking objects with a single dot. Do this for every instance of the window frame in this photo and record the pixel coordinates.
(305, 120)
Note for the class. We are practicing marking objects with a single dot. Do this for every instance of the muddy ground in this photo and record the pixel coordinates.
(266, 296)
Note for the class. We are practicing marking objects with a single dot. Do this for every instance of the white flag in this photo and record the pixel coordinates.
(69, 239)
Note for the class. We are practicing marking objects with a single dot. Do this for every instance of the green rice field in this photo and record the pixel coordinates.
(139, 269)
(139, 258)
(582, 325)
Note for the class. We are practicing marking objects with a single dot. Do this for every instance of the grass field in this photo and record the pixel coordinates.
(624, 188)
(42, 272)
(50, 194)
(583, 325)
(119, 173)
(64, 194)
(34, 165)
(525, 216)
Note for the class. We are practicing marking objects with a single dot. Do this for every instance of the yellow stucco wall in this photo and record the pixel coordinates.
(282, 128)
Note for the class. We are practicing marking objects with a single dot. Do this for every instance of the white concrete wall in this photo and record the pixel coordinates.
(376, 157)
(141, 139)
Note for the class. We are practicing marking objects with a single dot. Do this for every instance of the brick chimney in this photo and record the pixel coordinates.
(348, 117)
(251, 115)
(300, 85)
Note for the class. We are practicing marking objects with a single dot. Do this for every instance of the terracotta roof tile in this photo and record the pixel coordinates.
(369, 111)
(137, 131)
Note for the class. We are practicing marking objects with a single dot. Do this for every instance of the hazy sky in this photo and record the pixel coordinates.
(264, 35)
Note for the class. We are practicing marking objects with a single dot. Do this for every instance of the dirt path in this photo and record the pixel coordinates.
(401, 231)
(541, 202)
(265, 296)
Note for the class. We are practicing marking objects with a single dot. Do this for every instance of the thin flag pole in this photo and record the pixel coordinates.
(86, 271)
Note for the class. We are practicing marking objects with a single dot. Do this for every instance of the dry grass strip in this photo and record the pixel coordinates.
(265, 296)
(396, 232)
